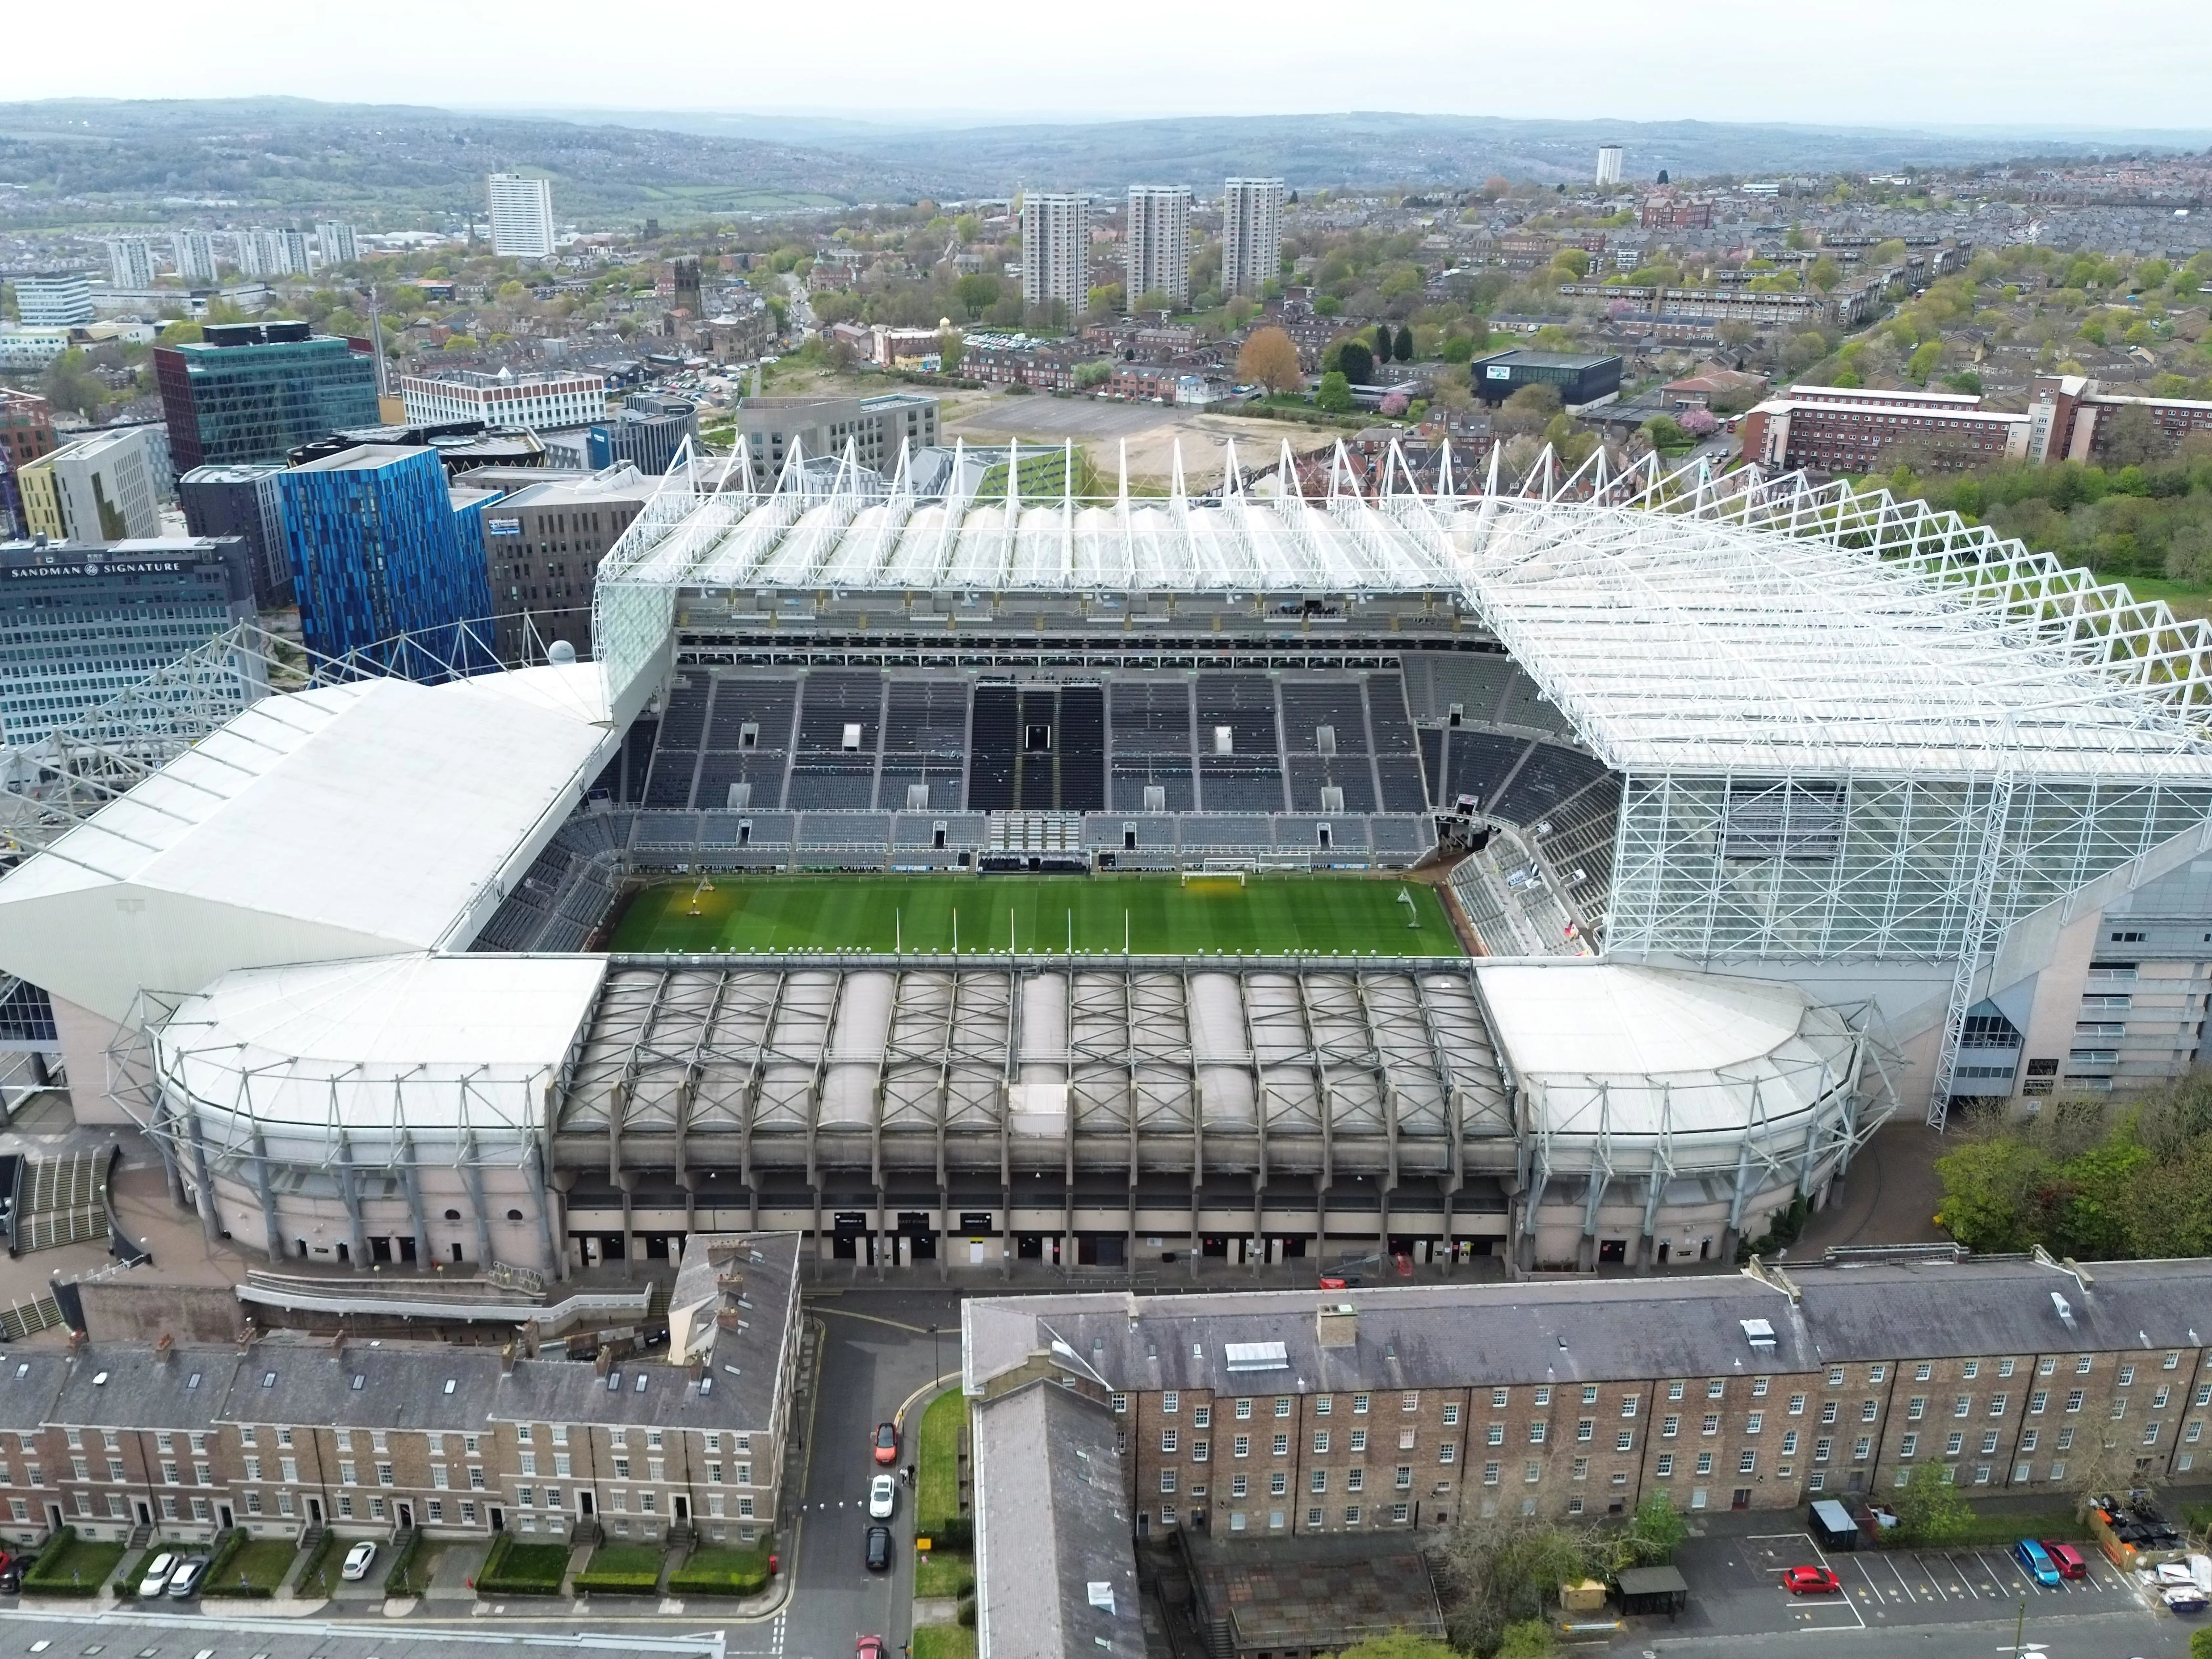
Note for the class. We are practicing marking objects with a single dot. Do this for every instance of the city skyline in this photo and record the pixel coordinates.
(1775, 66)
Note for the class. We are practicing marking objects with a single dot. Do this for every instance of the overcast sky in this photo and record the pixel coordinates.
(2040, 63)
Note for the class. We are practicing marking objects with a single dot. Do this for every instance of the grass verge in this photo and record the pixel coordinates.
(944, 1642)
(945, 1572)
(622, 1570)
(937, 1491)
(721, 1570)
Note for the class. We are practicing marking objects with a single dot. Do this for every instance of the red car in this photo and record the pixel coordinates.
(867, 1647)
(2066, 1560)
(886, 1443)
(1811, 1581)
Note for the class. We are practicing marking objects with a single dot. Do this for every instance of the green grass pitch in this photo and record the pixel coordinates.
(1153, 915)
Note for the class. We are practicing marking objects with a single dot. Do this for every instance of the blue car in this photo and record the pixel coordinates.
(2037, 1562)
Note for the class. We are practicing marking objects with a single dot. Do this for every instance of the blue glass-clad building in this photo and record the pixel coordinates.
(379, 547)
(647, 433)
(254, 392)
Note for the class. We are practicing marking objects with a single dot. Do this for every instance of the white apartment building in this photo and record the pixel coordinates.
(130, 262)
(192, 252)
(277, 253)
(99, 491)
(52, 298)
(1608, 164)
(1159, 242)
(1056, 252)
(505, 399)
(521, 216)
(336, 243)
(1251, 233)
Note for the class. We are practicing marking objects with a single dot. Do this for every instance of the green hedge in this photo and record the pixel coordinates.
(72, 1566)
(315, 1576)
(513, 1568)
(720, 1570)
(398, 1577)
(622, 1570)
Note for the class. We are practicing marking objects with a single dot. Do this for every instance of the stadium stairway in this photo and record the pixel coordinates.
(60, 1200)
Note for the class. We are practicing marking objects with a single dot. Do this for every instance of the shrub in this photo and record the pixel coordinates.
(953, 1533)
(513, 1568)
(721, 1570)
(313, 1576)
(398, 1578)
(72, 1566)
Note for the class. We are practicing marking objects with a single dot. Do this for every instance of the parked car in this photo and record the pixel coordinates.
(2066, 1558)
(883, 1497)
(358, 1560)
(2036, 1562)
(184, 1582)
(879, 1549)
(155, 1580)
(1811, 1581)
(867, 1647)
(886, 1443)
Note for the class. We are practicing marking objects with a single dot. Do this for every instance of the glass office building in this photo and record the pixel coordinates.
(254, 392)
(379, 548)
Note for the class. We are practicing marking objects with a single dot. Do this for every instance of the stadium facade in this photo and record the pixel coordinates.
(1789, 806)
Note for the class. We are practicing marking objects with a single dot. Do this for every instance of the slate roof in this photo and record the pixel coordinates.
(1556, 1331)
(130, 1386)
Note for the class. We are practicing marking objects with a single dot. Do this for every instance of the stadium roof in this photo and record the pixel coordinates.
(1772, 631)
(362, 818)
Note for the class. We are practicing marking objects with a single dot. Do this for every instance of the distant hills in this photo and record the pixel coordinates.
(86, 163)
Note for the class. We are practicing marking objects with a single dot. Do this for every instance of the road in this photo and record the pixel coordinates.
(876, 1351)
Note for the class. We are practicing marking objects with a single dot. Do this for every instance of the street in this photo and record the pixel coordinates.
(876, 1353)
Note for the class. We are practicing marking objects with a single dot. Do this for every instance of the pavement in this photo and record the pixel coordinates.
(1890, 1196)
(156, 1635)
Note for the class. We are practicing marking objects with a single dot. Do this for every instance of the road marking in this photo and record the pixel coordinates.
(877, 1319)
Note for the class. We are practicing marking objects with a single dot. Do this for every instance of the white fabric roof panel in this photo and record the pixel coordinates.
(375, 816)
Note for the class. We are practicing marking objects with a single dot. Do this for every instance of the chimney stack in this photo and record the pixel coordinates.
(1336, 1324)
(165, 1350)
(507, 1359)
(603, 1362)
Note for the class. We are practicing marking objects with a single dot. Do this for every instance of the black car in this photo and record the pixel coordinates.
(879, 1549)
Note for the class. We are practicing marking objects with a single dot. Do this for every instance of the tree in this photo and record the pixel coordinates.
(1383, 343)
(1698, 422)
(69, 384)
(1240, 311)
(1529, 1640)
(2200, 1644)
(1664, 432)
(1356, 362)
(2135, 438)
(1497, 1573)
(1993, 1193)
(1151, 299)
(1105, 299)
(1529, 411)
(1931, 1512)
(1270, 359)
(950, 345)
(1823, 274)
(1334, 392)
(1654, 1532)
(1403, 347)
(977, 292)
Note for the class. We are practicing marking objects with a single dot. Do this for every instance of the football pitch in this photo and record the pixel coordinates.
(1144, 915)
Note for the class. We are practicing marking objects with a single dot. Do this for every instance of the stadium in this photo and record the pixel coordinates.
(1579, 871)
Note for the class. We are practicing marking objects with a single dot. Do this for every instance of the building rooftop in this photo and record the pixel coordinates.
(365, 458)
(1054, 1573)
(1594, 1330)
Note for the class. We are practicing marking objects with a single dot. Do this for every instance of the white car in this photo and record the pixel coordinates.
(159, 1571)
(357, 1561)
(883, 1497)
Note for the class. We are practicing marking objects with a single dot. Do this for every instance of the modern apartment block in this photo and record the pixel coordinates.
(2070, 417)
(249, 393)
(1850, 429)
(648, 432)
(1056, 252)
(1609, 165)
(1158, 242)
(192, 252)
(281, 252)
(544, 543)
(1289, 1413)
(378, 548)
(521, 216)
(288, 1431)
(1251, 233)
(770, 428)
(130, 262)
(52, 298)
(335, 242)
(80, 624)
(243, 500)
(505, 399)
(99, 490)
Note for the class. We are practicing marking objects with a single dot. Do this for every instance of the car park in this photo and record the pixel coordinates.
(159, 1571)
(357, 1561)
(883, 1497)
(1811, 1581)
(879, 1549)
(886, 1443)
(2066, 1558)
(2036, 1562)
(184, 1582)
